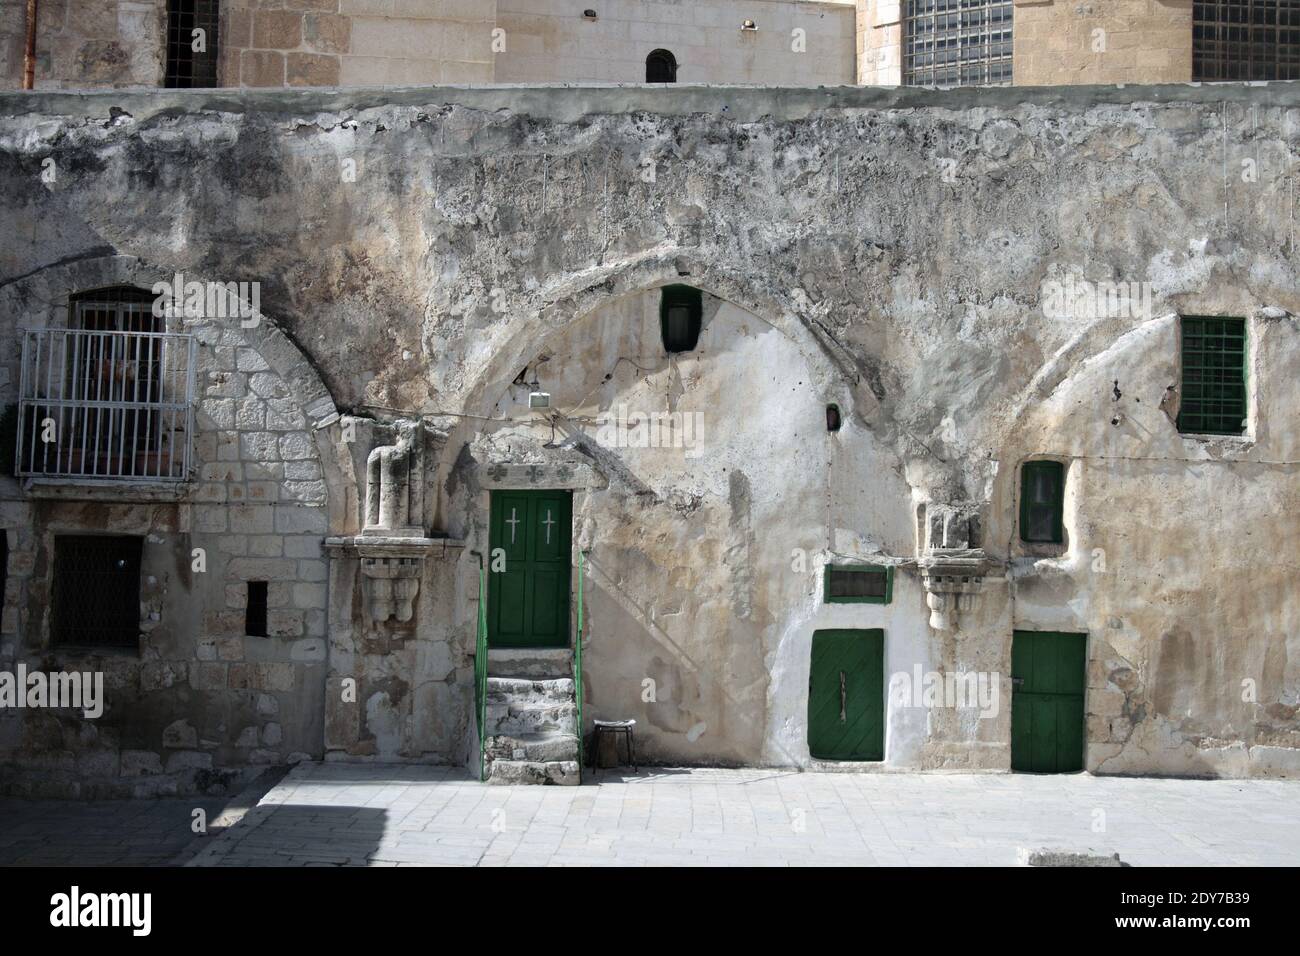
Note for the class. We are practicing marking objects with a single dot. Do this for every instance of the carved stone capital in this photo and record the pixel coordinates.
(391, 568)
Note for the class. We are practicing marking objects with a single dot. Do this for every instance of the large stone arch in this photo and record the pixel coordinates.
(578, 295)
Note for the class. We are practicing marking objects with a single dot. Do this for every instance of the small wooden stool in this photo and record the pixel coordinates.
(617, 728)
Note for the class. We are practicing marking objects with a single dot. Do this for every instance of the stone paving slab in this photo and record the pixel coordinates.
(101, 832)
(357, 815)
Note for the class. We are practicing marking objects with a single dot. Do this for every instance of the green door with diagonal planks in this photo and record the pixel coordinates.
(1048, 674)
(528, 598)
(846, 696)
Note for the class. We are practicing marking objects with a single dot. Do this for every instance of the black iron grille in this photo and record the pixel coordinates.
(1246, 40)
(1214, 376)
(957, 43)
(96, 599)
(185, 66)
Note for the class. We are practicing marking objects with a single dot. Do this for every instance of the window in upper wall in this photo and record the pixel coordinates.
(1042, 498)
(681, 310)
(858, 584)
(1214, 376)
(96, 597)
(661, 67)
(1246, 40)
(957, 43)
(191, 43)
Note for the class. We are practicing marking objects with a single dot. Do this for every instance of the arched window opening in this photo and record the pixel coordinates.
(661, 67)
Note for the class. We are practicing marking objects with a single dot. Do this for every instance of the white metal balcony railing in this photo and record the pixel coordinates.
(105, 405)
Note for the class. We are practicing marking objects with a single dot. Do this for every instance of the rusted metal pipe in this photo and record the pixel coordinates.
(29, 58)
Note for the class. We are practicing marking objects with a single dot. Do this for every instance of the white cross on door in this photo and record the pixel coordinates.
(512, 521)
(548, 522)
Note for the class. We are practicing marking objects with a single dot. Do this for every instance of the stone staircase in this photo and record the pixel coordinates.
(532, 730)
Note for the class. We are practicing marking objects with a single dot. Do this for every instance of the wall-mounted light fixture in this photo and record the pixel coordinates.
(589, 14)
(749, 25)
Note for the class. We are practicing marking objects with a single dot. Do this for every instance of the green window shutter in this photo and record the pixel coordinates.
(681, 311)
(1214, 376)
(1042, 497)
(858, 584)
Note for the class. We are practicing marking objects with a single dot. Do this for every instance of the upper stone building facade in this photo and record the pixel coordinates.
(354, 43)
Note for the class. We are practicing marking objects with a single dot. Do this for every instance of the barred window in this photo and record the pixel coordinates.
(1246, 40)
(186, 65)
(1214, 376)
(96, 597)
(957, 43)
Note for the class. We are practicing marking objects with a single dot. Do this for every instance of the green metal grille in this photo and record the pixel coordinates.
(1214, 376)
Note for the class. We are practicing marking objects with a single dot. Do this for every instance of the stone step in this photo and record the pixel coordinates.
(515, 718)
(557, 689)
(534, 748)
(531, 663)
(562, 772)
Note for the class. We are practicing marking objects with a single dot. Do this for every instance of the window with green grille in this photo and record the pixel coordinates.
(1042, 498)
(1214, 376)
(858, 584)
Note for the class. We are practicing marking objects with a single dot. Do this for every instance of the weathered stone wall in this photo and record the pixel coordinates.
(1102, 41)
(548, 41)
(199, 699)
(83, 44)
(893, 245)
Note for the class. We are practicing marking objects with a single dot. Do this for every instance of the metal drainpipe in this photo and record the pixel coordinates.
(29, 57)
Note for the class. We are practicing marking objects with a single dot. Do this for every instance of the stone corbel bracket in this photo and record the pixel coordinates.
(953, 581)
(391, 568)
(952, 560)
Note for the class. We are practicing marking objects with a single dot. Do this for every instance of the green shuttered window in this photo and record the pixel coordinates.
(1214, 376)
(1042, 496)
(858, 584)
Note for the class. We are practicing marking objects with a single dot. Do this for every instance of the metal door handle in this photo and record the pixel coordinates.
(1017, 680)
(843, 718)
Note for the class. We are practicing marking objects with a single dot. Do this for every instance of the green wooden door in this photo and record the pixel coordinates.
(1048, 671)
(528, 599)
(846, 696)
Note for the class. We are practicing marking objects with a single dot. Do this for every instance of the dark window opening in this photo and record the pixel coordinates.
(187, 67)
(860, 584)
(1042, 496)
(255, 614)
(661, 67)
(96, 597)
(1214, 376)
(1245, 40)
(833, 421)
(681, 310)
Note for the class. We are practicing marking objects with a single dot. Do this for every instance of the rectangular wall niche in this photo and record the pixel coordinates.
(858, 584)
(96, 599)
(255, 613)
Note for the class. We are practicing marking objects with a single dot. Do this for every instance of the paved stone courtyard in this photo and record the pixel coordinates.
(332, 814)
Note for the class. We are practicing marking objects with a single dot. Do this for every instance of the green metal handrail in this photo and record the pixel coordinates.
(481, 669)
(577, 663)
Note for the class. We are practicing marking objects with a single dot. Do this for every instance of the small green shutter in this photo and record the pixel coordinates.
(1042, 500)
(1048, 671)
(846, 695)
